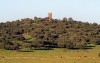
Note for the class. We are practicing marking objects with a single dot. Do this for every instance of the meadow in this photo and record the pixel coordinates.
(57, 55)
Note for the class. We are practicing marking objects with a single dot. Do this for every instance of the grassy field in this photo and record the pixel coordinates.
(57, 55)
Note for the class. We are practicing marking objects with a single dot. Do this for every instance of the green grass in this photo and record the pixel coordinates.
(58, 55)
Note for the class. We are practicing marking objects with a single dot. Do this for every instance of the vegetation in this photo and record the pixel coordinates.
(43, 33)
(57, 55)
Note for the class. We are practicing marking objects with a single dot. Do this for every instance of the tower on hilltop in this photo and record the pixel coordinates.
(50, 15)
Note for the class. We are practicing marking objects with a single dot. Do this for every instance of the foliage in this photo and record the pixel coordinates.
(42, 32)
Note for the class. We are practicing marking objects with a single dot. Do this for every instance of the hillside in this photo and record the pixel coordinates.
(43, 33)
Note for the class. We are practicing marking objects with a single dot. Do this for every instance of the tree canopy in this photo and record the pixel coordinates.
(42, 32)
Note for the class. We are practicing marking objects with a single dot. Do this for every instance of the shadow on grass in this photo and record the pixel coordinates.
(52, 48)
(24, 51)
(43, 48)
(86, 48)
(33, 48)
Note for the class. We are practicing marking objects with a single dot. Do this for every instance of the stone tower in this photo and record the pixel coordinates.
(49, 15)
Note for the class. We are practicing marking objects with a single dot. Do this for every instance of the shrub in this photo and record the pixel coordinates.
(11, 47)
(98, 43)
(90, 45)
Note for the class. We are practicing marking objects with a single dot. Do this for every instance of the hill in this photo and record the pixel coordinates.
(45, 33)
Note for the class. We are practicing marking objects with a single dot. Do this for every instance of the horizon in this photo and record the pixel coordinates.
(47, 16)
(85, 11)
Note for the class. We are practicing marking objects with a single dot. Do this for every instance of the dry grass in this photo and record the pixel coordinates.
(51, 56)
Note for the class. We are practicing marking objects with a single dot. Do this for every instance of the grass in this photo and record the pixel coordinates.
(58, 55)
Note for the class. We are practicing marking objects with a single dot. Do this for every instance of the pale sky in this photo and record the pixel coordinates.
(81, 10)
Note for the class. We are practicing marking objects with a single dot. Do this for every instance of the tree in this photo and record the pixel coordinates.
(37, 43)
(62, 41)
(70, 19)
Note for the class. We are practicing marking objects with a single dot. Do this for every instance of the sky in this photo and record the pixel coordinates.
(80, 10)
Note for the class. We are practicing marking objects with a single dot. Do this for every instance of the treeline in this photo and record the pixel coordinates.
(45, 33)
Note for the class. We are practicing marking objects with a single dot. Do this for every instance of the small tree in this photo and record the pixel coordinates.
(62, 41)
(37, 43)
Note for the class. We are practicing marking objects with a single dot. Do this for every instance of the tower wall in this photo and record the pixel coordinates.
(50, 15)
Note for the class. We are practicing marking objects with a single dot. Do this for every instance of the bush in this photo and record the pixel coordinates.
(90, 45)
(11, 47)
(98, 43)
